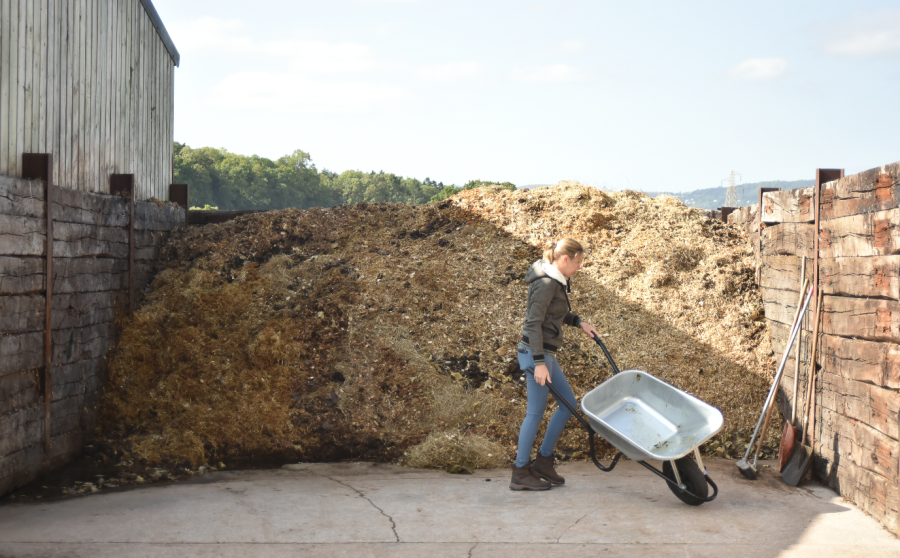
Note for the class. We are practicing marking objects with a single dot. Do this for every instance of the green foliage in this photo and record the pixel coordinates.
(206, 207)
(220, 179)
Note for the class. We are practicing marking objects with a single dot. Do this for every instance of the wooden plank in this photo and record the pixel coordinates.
(871, 234)
(862, 361)
(77, 97)
(22, 351)
(13, 73)
(82, 105)
(90, 155)
(862, 318)
(865, 192)
(140, 176)
(789, 239)
(65, 98)
(22, 71)
(76, 379)
(875, 276)
(781, 306)
(75, 344)
(28, 114)
(73, 206)
(872, 493)
(97, 114)
(108, 70)
(89, 274)
(873, 406)
(5, 48)
(26, 313)
(21, 198)
(17, 390)
(782, 272)
(29, 74)
(860, 444)
(54, 71)
(43, 69)
(20, 275)
(21, 236)
(74, 241)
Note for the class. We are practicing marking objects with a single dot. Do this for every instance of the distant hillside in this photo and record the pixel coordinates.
(714, 198)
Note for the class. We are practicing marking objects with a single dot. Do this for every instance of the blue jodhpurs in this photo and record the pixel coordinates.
(537, 404)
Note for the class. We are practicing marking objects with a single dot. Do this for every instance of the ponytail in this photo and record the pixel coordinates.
(565, 247)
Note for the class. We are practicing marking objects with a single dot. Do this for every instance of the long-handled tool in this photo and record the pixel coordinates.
(744, 466)
(789, 434)
(802, 457)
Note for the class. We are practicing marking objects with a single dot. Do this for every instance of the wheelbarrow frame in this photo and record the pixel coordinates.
(675, 484)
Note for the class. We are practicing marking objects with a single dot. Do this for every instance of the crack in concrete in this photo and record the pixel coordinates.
(570, 526)
(366, 498)
(469, 555)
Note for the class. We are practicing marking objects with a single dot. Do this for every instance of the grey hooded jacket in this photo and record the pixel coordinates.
(547, 309)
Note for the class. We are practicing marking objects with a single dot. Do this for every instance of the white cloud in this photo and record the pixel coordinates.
(295, 93)
(453, 71)
(759, 69)
(866, 35)
(573, 46)
(549, 74)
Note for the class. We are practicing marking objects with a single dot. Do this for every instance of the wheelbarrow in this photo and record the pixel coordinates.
(645, 418)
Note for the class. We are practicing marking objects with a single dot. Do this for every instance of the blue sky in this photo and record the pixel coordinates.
(644, 95)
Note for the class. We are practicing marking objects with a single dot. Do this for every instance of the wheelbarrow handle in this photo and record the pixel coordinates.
(606, 352)
(584, 423)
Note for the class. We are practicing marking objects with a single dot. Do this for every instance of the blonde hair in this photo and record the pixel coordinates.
(563, 247)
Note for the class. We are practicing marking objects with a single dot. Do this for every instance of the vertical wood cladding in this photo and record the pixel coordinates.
(91, 82)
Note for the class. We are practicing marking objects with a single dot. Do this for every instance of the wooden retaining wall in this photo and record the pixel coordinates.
(858, 363)
(90, 284)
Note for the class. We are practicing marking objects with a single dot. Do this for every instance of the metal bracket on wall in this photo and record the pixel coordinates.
(123, 185)
(39, 166)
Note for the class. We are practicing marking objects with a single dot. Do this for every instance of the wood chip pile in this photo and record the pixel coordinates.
(388, 332)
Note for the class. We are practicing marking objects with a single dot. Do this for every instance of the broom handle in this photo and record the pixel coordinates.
(799, 346)
(778, 373)
(810, 421)
(797, 320)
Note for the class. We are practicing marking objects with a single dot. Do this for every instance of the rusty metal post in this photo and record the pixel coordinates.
(123, 185)
(822, 176)
(178, 193)
(726, 211)
(39, 166)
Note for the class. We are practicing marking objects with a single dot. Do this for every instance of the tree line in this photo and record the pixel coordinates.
(219, 178)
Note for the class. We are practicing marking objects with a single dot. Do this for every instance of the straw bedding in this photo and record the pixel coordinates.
(388, 332)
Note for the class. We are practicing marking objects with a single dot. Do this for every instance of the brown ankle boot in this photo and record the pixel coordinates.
(543, 468)
(523, 478)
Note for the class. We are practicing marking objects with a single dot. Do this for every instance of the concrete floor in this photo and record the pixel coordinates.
(364, 509)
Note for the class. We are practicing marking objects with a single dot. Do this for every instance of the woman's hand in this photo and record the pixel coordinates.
(541, 374)
(589, 330)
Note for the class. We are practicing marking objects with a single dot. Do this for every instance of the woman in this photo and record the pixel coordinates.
(548, 308)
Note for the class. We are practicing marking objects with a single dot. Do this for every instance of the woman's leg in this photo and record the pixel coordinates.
(562, 415)
(537, 404)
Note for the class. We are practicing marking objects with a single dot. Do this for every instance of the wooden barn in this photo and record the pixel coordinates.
(86, 160)
(90, 82)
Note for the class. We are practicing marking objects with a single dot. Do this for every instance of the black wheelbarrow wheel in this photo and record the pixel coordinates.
(692, 478)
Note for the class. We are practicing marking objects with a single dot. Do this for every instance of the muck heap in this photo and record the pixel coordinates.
(388, 332)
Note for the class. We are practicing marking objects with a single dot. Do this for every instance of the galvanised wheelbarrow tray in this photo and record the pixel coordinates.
(646, 418)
